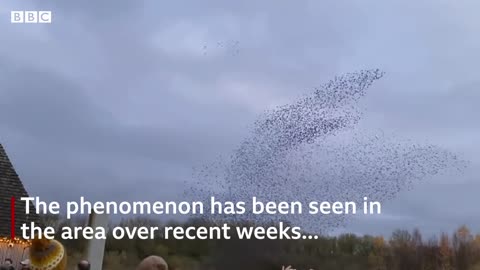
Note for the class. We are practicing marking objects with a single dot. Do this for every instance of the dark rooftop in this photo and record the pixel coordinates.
(12, 186)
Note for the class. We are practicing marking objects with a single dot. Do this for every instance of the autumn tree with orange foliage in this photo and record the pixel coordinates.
(404, 250)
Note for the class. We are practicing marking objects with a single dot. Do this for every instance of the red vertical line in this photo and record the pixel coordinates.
(12, 219)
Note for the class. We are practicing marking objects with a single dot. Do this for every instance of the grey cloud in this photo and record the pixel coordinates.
(120, 91)
(444, 210)
(56, 111)
(433, 111)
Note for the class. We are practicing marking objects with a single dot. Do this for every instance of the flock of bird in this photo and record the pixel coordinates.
(313, 150)
(229, 47)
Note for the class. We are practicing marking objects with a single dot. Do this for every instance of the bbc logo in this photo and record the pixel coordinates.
(31, 17)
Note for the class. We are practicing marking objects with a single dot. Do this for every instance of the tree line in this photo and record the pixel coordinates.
(403, 250)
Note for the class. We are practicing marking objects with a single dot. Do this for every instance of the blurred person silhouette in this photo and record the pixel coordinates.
(83, 265)
(25, 265)
(8, 264)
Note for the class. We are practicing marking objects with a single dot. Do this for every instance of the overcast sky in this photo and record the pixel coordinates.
(120, 99)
